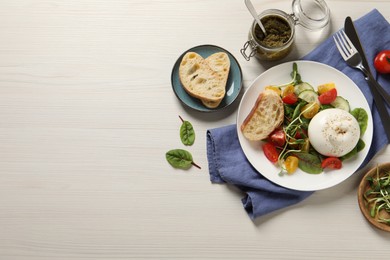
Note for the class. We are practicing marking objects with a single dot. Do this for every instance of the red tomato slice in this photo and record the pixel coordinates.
(382, 61)
(290, 99)
(278, 137)
(331, 163)
(270, 152)
(328, 96)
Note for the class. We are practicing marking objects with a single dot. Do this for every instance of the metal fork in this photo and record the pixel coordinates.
(353, 59)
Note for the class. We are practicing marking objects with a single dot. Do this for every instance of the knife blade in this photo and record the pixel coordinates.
(375, 88)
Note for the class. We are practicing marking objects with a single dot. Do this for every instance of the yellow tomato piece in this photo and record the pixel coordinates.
(274, 88)
(310, 110)
(291, 164)
(288, 90)
(325, 87)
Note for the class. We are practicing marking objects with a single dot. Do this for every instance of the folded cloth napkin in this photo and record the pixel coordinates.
(227, 162)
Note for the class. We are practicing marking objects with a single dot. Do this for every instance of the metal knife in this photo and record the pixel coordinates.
(377, 91)
(351, 32)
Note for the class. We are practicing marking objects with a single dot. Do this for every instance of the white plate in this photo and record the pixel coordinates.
(314, 73)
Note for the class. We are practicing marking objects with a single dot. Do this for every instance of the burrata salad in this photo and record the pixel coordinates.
(320, 130)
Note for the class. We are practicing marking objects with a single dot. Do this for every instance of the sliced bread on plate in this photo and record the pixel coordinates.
(266, 115)
(199, 80)
(220, 63)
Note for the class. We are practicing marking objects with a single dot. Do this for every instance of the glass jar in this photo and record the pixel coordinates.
(310, 14)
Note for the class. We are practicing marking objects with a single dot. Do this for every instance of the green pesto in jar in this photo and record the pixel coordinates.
(278, 32)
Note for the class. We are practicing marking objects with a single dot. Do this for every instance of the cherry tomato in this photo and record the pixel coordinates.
(291, 164)
(290, 98)
(311, 109)
(278, 137)
(382, 62)
(328, 96)
(270, 152)
(325, 87)
(332, 163)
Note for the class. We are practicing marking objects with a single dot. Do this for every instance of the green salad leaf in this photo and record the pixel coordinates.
(361, 116)
(180, 158)
(187, 132)
(360, 146)
(309, 163)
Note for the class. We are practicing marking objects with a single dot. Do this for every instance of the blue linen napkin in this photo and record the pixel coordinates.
(227, 162)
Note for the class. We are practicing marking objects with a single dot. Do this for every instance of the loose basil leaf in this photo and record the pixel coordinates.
(309, 163)
(179, 158)
(361, 116)
(187, 133)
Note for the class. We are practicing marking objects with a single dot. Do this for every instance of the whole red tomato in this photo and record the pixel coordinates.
(382, 62)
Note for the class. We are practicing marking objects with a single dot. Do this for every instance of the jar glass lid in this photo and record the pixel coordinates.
(311, 14)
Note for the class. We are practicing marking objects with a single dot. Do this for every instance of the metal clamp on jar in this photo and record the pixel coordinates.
(280, 29)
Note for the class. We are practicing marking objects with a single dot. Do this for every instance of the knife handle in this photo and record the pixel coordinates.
(382, 110)
(370, 79)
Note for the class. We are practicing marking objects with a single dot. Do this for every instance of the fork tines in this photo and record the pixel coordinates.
(345, 46)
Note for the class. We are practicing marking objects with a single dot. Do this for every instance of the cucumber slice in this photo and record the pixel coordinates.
(341, 103)
(309, 96)
(302, 87)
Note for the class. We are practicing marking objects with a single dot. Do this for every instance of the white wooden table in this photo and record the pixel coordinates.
(87, 113)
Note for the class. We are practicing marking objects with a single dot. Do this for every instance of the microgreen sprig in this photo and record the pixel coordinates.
(296, 77)
(290, 131)
(378, 195)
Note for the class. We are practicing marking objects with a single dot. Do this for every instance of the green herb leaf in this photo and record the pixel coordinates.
(297, 110)
(180, 158)
(296, 77)
(309, 163)
(187, 133)
(361, 116)
(360, 146)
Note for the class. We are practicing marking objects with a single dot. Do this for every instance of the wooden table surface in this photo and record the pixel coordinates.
(87, 113)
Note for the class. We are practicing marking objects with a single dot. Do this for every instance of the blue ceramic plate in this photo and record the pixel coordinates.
(233, 85)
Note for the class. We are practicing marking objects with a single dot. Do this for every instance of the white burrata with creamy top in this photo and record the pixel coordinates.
(333, 132)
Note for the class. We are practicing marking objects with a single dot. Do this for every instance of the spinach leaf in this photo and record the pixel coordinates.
(360, 146)
(180, 158)
(361, 116)
(187, 133)
(309, 163)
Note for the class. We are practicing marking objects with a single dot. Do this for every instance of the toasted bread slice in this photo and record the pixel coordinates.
(199, 80)
(220, 63)
(266, 115)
